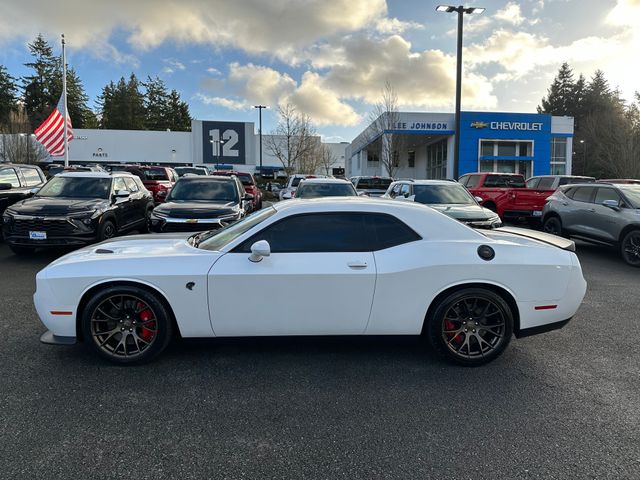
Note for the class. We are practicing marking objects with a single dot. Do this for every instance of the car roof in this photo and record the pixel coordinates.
(219, 178)
(95, 174)
(307, 181)
(428, 182)
(13, 165)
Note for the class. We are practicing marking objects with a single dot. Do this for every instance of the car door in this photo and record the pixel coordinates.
(18, 191)
(318, 280)
(607, 223)
(578, 211)
(124, 207)
(138, 200)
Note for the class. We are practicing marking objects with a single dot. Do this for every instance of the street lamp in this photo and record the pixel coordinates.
(260, 107)
(460, 10)
(216, 151)
(584, 156)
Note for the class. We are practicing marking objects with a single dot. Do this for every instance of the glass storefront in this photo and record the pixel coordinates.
(558, 156)
(507, 149)
(437, 160)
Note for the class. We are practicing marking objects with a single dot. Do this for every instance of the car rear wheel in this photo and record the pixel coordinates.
(630, 248)
(22, 251)
(471, 327)
(553, 225)
(126, 324)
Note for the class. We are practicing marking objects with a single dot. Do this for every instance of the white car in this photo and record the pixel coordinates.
(289, 191)
(369, 267)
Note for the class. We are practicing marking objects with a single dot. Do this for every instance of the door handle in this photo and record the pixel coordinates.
(357, 265)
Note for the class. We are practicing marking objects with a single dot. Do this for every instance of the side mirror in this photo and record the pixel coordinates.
(479, 199)
(121, 194)
(5, 186)
(612, 204)
(260, 249)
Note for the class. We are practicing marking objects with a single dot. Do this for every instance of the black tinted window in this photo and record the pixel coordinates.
(374, 183)
(503, 181)
(387, 231)
(320, 232)
(582, 194)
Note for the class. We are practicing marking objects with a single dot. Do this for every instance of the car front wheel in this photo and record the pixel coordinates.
(126, 324)
(553, 225)
(630, 248)
(471, 327)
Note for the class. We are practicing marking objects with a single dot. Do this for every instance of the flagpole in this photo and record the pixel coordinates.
(64, 103)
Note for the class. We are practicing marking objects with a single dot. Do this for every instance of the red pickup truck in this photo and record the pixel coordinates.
(511, 197)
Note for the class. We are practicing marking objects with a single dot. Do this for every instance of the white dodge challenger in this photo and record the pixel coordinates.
(346, 266)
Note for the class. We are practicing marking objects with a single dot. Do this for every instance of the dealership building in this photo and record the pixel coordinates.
(423, 145)
(220, 144)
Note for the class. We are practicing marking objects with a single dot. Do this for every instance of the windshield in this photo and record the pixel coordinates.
(155, 174)
(316, 190)
(76, 187)
(442, 194)
(196, 190)
(374, 183)
(216, 239)
(198, 171)
(632, 192)
(296, 181)
(244, 178)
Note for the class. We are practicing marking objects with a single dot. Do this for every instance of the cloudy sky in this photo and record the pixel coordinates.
(331, 58)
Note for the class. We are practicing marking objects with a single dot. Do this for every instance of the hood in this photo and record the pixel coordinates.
(143, 247)
(465, 212)
(45, 206)
(197, 209)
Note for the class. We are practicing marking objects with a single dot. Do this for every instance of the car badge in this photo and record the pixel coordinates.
(192, 220)
(479, 124)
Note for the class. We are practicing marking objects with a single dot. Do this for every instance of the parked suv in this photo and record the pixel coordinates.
(249, 184)
(77, 208)
(599, 212)
(17, 183)
(552, 182)
(158, 180)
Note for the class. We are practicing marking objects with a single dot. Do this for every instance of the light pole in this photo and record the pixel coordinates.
(584, 157)
(260, 107)
(460, 10)
(218, 144)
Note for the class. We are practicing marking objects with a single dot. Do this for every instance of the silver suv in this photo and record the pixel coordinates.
(601, 213)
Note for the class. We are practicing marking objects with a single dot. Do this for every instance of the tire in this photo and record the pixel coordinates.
(491, 206)
(107, 230)
(126, 325)
(146, 228)
(473, 308)
(22, 251)
(553, 225)
(630, 248)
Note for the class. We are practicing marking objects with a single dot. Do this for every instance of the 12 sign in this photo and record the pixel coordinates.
(223, 142)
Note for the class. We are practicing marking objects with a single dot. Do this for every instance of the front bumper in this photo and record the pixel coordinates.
(523, 215)
(170, 224)
(49, 338)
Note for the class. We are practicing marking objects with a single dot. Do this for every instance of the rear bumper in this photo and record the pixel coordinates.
(521, 215)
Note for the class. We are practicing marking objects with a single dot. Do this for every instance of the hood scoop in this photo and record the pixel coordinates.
(103, 251)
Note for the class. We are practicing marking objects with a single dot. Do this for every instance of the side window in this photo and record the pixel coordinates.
(463, 180)
(388, 231)
(320, 232)
(131, 184)
(533, 182)
(118, 184)
(473, 181)
(8, 175)
(395, 191)
(606, 194)
(546, 183)
(140, 184)
(405, 191)
(31, 176)
(583, 194)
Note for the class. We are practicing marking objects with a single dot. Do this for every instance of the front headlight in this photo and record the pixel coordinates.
(6, 218)
(158, 214)
(83, 217)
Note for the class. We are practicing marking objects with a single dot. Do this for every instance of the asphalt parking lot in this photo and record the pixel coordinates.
(562, 405)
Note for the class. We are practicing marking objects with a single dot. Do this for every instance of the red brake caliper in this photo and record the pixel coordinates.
(145, 331)
(449, 325)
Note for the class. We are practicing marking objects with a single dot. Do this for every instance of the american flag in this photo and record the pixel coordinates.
(51, 133)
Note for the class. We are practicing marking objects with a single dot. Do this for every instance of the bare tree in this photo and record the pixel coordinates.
(294, 140)
(384, 117)
(17, 144)
(326, 158)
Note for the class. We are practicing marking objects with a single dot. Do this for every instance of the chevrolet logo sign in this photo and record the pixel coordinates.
(192, 220)
(479, 125)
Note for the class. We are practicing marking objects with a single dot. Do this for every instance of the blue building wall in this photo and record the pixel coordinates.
(505, 126)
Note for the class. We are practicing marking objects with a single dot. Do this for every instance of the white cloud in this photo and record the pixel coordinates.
(511, 13)
(394, 25)
(625, 13)
(174, 64)
(259, 84)
(229, 103)
(213, 71)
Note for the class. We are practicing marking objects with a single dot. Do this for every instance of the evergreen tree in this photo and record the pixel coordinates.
(179, 116)
(560, 98)
(156, 103)
(39, 88)
(8, 100)
(598, 94)
(122, 105)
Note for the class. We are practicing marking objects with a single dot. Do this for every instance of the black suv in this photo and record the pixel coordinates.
(17, 183)
(201, 203)
(77, 208)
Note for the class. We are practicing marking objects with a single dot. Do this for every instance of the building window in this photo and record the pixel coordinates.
(486, 149)
(411, 158)
(558, 156)
(437, 160)
(372, 157)
(507, 149)
(497, 148)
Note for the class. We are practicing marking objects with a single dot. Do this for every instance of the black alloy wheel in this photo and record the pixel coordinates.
(553, 225)
(107, 230)
(471, 327)
(630, 248)
(126, 324)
